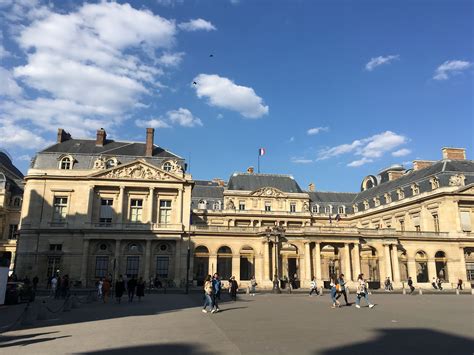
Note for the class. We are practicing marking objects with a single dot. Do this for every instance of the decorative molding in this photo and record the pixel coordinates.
(268, 192)
(457, 180)
(138, 171)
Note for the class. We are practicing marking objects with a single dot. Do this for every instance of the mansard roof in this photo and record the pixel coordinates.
(86, 146)
(6, 163)
(252, 182)
(331, 197)
(211, 190)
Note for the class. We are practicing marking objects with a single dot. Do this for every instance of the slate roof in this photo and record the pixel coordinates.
(252, 182)
(86, 146)
(13, 176)
(335, 197)
(8, 164)
(206, 192)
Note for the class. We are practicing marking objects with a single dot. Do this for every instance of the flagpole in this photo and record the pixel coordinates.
(258, 164)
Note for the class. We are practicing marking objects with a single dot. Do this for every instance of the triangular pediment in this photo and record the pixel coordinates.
(467, 190)
(268, 192)
(137, 170)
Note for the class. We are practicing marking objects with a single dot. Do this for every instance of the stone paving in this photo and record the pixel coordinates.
(264, 324)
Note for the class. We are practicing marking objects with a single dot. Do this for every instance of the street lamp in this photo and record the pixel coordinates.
(273, 234)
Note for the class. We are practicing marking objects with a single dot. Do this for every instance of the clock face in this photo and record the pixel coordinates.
(269, 192)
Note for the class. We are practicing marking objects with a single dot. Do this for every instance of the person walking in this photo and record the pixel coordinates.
(410, 284)
(333, 284)
(253, 285)
(216, 292)
(459, 287)
(342, 289)
(433, 283)
(388, 285)
(140, 288)
(131, 287)
(100, 286)
(119, 289)
(208, 293)
(439, 282)
(362, 291)
(54, 286)
(106, 289)
(313, 287)
(234, 287)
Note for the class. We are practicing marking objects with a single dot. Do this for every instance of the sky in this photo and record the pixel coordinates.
(333, 90)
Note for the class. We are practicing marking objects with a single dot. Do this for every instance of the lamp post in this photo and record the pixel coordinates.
(273, 234)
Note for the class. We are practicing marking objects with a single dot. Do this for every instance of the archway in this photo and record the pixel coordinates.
(369, 262)
(247, 263)
(164, 255)
(201, 264)
(441, 265)
(330, 261)
(469, 257)
(403, 262)
(421, 262)
(224, 262)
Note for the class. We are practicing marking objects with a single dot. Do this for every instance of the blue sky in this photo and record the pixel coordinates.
(333, 90)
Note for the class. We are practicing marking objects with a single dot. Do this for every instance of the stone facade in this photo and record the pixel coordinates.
(104, 208)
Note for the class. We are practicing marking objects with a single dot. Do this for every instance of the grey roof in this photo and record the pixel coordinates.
(252, 182)
(13, 176)
(335, 197)
(206, 192)
(6, 162)
(86, 146)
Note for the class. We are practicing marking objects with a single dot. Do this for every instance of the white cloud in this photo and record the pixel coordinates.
(8, 86)
(169, 3)
(24, 157)
(224, 93)
(153, 123)
(368, 148)
(316, 130)
(220, 116)
(291, 140)
(183, 117)
(197, 25)
(14, 135)
(377, 61)
(301, 160)
(401, 152)
(171, 59)
(450, 67)
(360, 162)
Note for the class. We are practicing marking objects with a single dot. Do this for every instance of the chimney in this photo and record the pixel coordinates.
(454, 153)
(421, 164)
(100, 137)
(63, 135)
(394, 174)
(150, 134)
(311, 187)
(250, 170)
(219, 181)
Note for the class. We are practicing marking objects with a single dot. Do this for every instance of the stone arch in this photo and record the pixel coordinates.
(330, 260)
(369, 262)
(403, 263)
(441, 263)
(247, 262)
(421, 262)
(201, 264)
(224, 262)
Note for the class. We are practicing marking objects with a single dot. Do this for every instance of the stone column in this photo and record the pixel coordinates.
(120, 212)
(179, 208)
(151, 204)
(266, 261)
(356, 261)
(146, 274)
(431, 269)
(272, 271)
(236, 266)
(347, 262)
(411, 264)
(212, 264)
(307, 261)
(462, 266)
(85, 254)
(317, 252)
(117, 259)
(396, 265)
(388, 265)
(90, 208)
(177, 264)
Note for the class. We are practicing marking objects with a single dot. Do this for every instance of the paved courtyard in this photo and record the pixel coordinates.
(266, 323)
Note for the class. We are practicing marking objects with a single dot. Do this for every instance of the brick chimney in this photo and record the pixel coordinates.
(250, 170)
(454, 153)
(421, 164)
(100, 137)
(63, 135)
(150, 135)
(311, 187)
(395, 174)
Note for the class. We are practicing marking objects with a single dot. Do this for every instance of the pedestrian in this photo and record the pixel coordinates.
(54, 285)
(433, 283)
(119, 289)
(35, 282)
(342, 289)
(333, 284)
(253, 285)
(216, 292)
(234, 287)
(140, 289)
(459, 287)
(313, 287)
(439, 282)
(131, 286)
(100, 286)
(208, 292)
(388, 285)
(362, 291)
(65, 286)
(106, 289)
(410, 284)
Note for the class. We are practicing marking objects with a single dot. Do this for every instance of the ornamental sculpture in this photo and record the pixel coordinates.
(138, 171)
(268, 192)
(457, 180)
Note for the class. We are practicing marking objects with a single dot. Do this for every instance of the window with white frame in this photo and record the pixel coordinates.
(66, 163)
(292, 207)
(136, 210)
(217, 206)
(315, 208)
(436, 222)
(167, 166)
(165, 211)
(268, 206)
(241, 205)
(341, 210)
(202, 204)
(60, 209)
(106, 210)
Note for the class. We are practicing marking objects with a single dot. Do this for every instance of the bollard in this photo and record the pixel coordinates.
(43, 311)
(472, 291)
(420, 292)
(457, 292)
(67, 305)
(322, 291)
(404, 292)
(248, 290)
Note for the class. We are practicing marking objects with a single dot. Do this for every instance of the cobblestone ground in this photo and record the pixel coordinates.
(266, 323)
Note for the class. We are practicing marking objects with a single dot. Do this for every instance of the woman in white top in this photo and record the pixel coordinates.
(362, 291)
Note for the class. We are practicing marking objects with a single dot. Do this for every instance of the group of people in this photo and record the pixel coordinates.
(338, 289)
(132, 287)
(437, 283)
(59, 286)
(213, 288)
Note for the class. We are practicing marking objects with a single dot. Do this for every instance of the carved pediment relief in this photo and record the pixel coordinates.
(268, 192)
(137, 170)
(457, 180)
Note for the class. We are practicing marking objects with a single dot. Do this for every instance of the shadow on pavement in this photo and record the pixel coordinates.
(26, 339)
(183, 349)
(407, 341)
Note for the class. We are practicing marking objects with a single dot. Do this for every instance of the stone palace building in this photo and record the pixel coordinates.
(93, 208)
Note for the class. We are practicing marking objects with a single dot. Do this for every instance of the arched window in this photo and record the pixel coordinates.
(341, 210)
(3, 180)
(66, 163)
(202, 204)
(17, 201)
(217, 205)
(167, 166)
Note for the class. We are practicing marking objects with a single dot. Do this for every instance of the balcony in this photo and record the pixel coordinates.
(136, 226)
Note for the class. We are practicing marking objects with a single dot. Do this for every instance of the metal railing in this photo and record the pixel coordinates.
(136, 226)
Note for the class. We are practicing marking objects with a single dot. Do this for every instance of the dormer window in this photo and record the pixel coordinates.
(16, 201)
(355, 208)
(167, 166)
(366, 205)
(217, 206)
(315, 208)
(202, 204)
(66, 163)
(401, 194)
(434, 181)
(341, 209)
(415, 188)
(376, 201)
(388, 197)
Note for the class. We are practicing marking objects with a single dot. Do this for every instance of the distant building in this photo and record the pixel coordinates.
(11, 197)
(94, 208)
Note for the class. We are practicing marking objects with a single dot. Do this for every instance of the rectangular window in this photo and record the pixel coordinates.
(268, 206)
(466, 221)
(241, 206)
(136, 209)
(101, 266)
(402, 225)
(436, 222)
(133, 263)
(293, 207)
(165, 211)
(12, 231)
(106, 211)
(162, 266)
(55, 247)
(60, 209)
(416, 223)
(54, 266)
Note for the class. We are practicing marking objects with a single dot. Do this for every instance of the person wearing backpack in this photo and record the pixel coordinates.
(342, 289)
(313, 287)
(362, 291)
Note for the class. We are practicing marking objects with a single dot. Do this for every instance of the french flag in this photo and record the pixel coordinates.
(261, 152)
